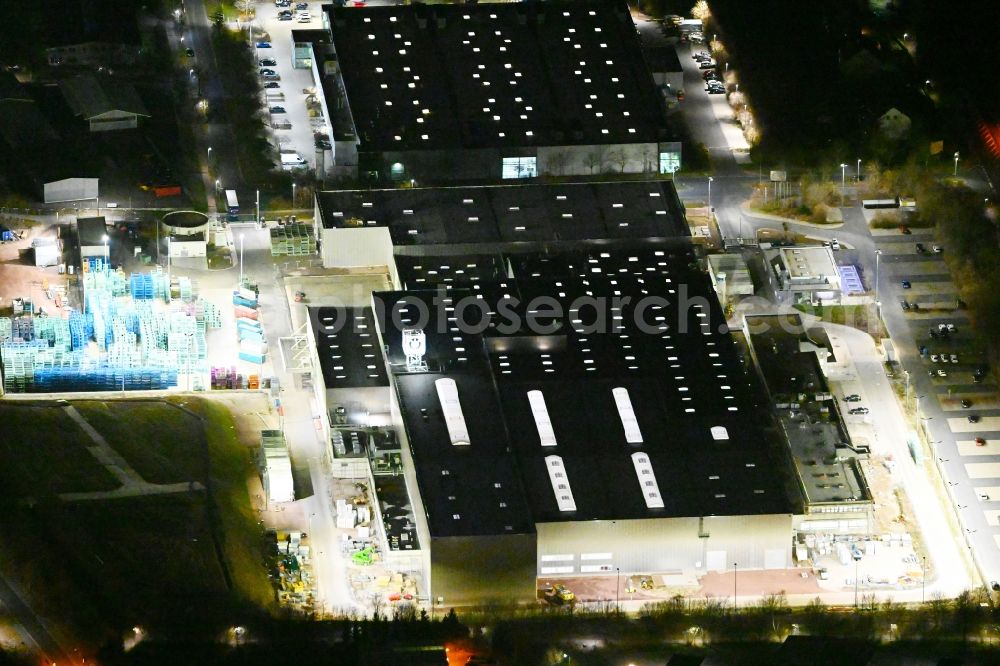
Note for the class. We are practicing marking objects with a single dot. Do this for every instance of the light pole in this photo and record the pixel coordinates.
(923, 578)
(257, 207)
(843, 181)
(735, 568)
(856, 582)
(859, 169)
(210, 156)
(878, 254)
(107, 253)
(241, 260)
(618, 589)
(956, 164)
(710, 179)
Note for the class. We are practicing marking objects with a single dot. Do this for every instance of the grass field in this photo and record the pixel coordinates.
(43, 453)
(164, 444)
(188, 562)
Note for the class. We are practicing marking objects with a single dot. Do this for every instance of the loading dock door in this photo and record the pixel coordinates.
(715, 560)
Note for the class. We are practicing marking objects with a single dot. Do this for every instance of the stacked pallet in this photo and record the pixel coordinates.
(294, 240)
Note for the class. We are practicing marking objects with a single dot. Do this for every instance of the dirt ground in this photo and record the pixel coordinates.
(19, 276)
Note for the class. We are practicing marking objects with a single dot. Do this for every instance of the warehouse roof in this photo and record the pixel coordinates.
(519, 74)
(663, 59)
(91, 96)
(660, 397)
(347, 346)
(511, 213)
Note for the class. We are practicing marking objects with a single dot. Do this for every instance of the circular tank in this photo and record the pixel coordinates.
(185, 223)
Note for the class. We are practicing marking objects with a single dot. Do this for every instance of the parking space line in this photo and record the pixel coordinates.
(982, 470)
(968, 447)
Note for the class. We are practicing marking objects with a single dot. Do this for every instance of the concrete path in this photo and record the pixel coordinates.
(133, 485)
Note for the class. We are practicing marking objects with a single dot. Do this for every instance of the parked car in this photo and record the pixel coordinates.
(715, 90)
(285, 16)
(854, 397)
(324, 144)
(271, 85)
(923, 350)
(302, 5)
(952, 328)
(976, 379)
(858, 411)
(920, 248)
(973, 418)
(304, 17)
(938, 249)
(265, 71)
(189, 52)
(935, 358)
(931, 373)
(834, 244)
(905, 284)
(277, 109)
(263, 45)
(982, 442)
(905, 305)
(706, 64)
(271, 76)
(267, 62)
(966, 403)
(954, 358)
(942, 373)
(701, 54)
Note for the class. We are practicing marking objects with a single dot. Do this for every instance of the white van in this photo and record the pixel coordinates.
(275, 96)
(291, 160)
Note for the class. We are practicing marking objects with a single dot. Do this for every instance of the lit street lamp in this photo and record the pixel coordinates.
(735, 568)
(293, 196)
(843, 181)
(210, 154)
(859, 169)
(956, 164)
(107, 252)
(710, 179)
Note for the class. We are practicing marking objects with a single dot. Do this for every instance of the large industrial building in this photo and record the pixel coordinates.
(570, 404)
(489, 92)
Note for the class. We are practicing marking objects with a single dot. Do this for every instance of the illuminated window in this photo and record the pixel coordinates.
(519, 167)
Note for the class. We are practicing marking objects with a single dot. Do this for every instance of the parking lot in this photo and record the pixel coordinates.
(295, 129)
(956, 402)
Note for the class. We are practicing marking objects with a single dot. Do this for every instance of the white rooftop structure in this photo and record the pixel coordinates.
(629, 422)
(560, 483)
(447, 392)
(541, 414)
(647, 481)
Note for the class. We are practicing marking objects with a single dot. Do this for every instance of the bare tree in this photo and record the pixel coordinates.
(557, 162)
(619, 157)
(593, 160)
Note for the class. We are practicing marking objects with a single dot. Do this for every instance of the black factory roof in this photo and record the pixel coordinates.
(347, 346)
(695, 409)
(511, 213)
(422, 77)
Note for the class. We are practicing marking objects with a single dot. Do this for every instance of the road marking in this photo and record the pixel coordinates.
(979, 401)
(982, 470)
(986, 424)
(992, 518)
(968, 447)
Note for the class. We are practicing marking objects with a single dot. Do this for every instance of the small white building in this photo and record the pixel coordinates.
(810, 273)
(93, 237)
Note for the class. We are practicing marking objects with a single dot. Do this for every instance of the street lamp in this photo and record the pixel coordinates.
(618, 589)
(956, 164)
(710, 179)
(843, 180)
(859, 169)
(923, 578)
(878, 254)
(107, 252)
(210, 155)
(735, 567)
(293, 196)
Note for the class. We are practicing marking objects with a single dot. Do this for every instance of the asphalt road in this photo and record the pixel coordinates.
(31, 623)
